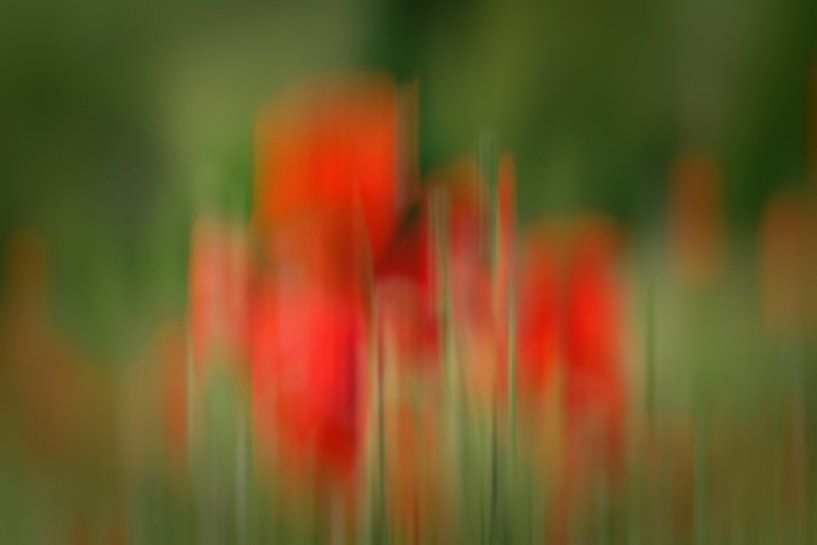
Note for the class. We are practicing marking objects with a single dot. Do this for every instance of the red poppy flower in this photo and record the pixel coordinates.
(308, 357)
(406, 274)
(594, 388)
(538, 314)
(333, 153)
(468, 245)
(325, 209)
(593, 326)
(308, 351)
(405, 290)
(407, 307)
(470, 275)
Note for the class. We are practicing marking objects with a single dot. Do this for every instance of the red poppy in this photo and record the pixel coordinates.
(538, 314)
(468, 245)
(408, 333)
(480, 293)
(332, 153)
(325, 209)
(593, 326)
(467, 255)
(594, 386)
(405, 287)
(408, 300)
(307, 365)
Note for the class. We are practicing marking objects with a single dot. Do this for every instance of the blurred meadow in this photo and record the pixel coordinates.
(407, 272)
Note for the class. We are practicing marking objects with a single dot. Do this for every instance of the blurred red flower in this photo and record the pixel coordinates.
(405, 288)
(326, 208)
(331, 153)
(467, 227)
(594, 386)
(307, 362)
(539, 306)
(594, 396)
